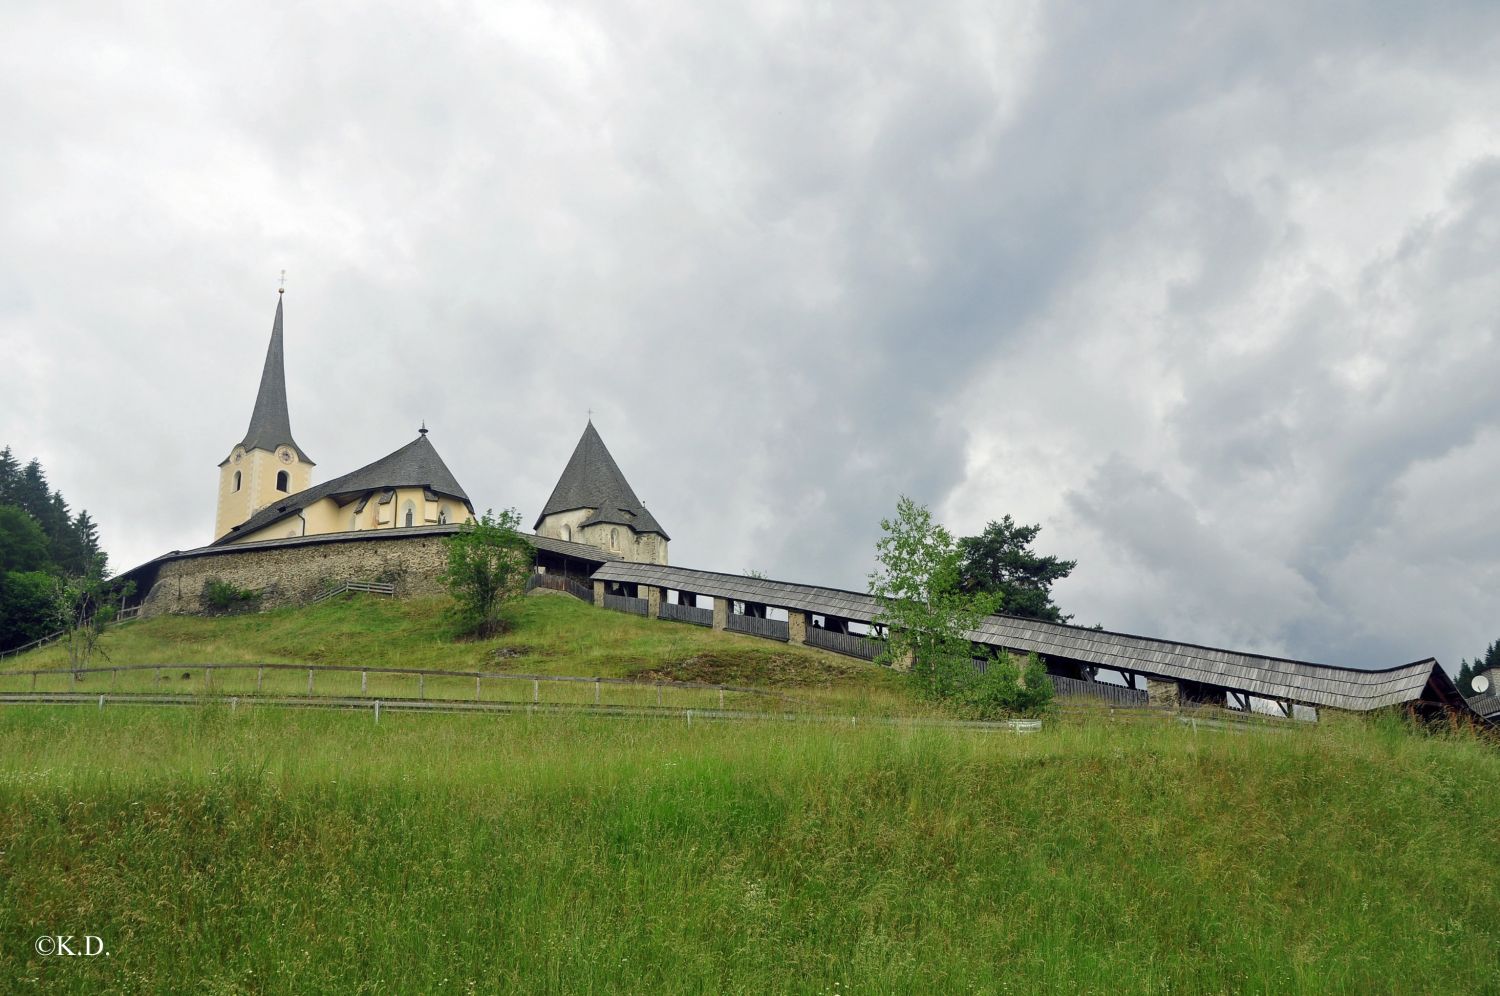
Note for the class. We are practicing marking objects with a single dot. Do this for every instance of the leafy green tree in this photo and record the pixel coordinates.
(1000, 561)
(28, 608)
(23, 545)
(85, 605)
(921, 604)
(488, 562)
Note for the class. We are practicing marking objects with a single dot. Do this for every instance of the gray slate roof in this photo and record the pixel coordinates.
(415, 465)
(592, 479)
(1269, 677)
(270, 423)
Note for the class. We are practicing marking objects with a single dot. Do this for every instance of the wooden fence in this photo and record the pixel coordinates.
(688, 614)
(559, 582)
(771, 629)
(87, 680)
(850, 644)
(1073, 688)
(624, 603)
(343, 587)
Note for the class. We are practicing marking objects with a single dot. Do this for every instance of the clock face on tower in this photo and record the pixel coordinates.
(285, 454)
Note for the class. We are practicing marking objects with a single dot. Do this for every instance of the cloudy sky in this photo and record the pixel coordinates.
(1210, 294)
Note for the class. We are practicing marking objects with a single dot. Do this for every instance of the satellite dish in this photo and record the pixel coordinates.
(1480, 683)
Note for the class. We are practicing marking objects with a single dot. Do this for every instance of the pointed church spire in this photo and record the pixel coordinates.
(270, 424)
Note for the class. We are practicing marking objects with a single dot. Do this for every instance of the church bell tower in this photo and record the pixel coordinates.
(267, 465)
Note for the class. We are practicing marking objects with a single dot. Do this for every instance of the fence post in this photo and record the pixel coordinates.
(259, 674)
(114, 679)
(658, 693)
(690, 717)
(377, 712)
(101, 703)
(721, 696)
(536, 690)
(364, 682)
(208, 676)
(421, 686)
(476, 688)
(596, 689)
(33, 681)
(309, 681)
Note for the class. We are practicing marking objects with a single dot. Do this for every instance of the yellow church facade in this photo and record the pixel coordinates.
(266, 490)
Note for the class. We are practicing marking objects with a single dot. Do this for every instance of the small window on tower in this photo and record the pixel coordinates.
(614, 539)
(411, 514)
(567, 533)
(283, 481)
(236, 480)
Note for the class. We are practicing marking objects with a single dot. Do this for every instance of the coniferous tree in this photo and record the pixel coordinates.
(1465, 675)
(10, 472)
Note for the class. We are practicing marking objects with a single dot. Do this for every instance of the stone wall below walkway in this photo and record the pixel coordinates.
(294, 573)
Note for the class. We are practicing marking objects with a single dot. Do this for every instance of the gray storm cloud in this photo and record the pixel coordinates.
(1212, 297)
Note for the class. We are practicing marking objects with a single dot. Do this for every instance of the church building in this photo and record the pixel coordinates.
(265, 484)
(594, 504)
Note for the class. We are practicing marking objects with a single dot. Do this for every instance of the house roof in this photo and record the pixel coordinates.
(270, 423)
(593, 480)
(1269, 677)
(415, 465)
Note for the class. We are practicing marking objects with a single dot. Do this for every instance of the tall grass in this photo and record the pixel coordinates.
(263, 851)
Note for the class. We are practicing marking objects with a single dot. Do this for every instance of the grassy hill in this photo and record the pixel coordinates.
(277, 851)
(551, 634)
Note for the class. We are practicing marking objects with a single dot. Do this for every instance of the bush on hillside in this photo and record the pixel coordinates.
(488, 562)
(1005, 688)
(221, 596)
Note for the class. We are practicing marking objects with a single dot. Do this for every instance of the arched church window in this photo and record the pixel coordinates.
(283, 480)
(567, 533)
(236, 480)
(411, 514)
(614, 539)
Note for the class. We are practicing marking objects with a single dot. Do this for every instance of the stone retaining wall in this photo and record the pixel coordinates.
(293, 574)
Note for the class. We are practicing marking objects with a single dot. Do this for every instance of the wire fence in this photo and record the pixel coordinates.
(419, 684)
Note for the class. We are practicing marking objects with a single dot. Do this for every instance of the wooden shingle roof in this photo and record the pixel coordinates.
(1354, 689)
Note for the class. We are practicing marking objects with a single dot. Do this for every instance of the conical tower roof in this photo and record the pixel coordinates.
(270, 423)
(592, 479)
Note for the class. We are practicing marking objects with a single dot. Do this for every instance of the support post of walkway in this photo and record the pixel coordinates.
(599, 594)
(1161, 692)
(796, 626)
(721, 613)
(653, 601)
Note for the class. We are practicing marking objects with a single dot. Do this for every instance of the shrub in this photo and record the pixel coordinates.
(1005, 688)
(222, 596)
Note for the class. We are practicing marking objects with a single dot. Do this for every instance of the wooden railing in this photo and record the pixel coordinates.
(850, 644)
(559, 582)
(687, 613)
(370, 587)
(1074, 688)
(624, 603)
(771, 629)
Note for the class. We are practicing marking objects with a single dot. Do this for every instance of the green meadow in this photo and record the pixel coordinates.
(274, 851)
